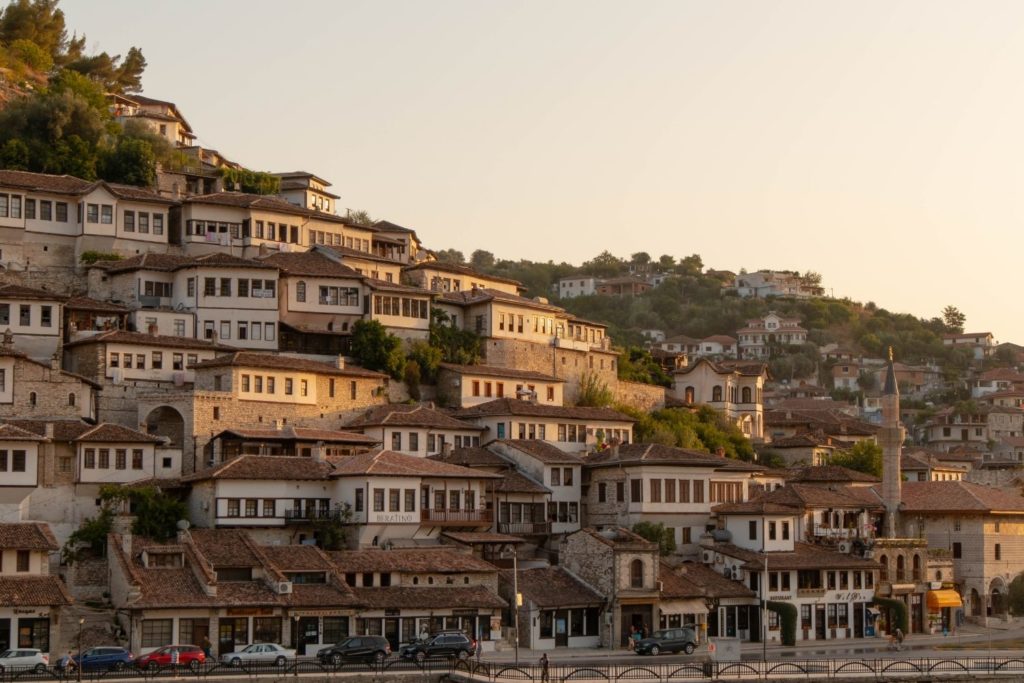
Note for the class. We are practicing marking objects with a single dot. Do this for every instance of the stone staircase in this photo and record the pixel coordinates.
(97, 628)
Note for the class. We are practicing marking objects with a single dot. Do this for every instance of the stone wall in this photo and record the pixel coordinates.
(646, 397)
(51, 387)
(87, 579)
(1001, 478)
(564, 363)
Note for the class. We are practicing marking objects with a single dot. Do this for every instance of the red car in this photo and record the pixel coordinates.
(191, 656)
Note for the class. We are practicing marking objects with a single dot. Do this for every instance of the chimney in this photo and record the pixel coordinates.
(8, 341)
(48, 430)
(446, 447)
(152, 329)
(319, 452)
(263, 249)
(55, 362)
(213, 337)
(341, 362)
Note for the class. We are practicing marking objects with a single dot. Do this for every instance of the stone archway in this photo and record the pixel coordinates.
(166, 421)
(997, 594)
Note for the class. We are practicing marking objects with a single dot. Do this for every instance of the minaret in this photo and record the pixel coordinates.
(891, 438)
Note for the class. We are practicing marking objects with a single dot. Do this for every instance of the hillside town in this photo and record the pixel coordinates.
(191, 348)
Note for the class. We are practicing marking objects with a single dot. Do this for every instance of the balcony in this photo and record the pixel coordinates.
(471, 518)
(310, 516)
(524, 528)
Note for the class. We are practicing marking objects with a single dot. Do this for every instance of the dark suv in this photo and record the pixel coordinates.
(668, 640)
(448, 644)
(356, 649)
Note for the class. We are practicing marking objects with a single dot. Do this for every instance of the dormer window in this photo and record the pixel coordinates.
(158, 560)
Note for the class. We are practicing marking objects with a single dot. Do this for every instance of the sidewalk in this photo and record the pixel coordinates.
(968, 633)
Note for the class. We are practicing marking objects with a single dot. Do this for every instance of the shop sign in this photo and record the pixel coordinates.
(250, 611)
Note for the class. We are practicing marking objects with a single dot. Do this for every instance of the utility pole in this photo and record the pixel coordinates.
(518, 598)
(764, 590)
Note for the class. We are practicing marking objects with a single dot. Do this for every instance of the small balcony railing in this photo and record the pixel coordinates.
(524, 528)
(456, 517)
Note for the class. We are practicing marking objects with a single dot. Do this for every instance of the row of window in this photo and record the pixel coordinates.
(776, 530)
(674, 490)
(561, 476)
(497, 389)
(259, 384)
(25, 315)
(435, 442)
(247, 287)
(102, 462)
(582, 622)
(255, 331)
(330, 296)
(13, 459)
(337, 240)
(141, 221)
(401, 306)
(138, 360)
(517, 324)
(10, 207)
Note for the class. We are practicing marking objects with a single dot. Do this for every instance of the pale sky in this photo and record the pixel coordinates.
(878, 143)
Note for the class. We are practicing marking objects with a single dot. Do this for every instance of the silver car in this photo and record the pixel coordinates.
(22, 659)
(259, 653)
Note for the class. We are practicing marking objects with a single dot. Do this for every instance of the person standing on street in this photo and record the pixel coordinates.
(544, 668)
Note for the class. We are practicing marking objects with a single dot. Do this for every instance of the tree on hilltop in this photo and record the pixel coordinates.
(954, 319)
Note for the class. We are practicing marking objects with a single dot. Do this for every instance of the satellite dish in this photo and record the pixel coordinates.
(183, 524)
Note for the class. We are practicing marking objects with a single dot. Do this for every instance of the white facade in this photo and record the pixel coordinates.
(572, 287)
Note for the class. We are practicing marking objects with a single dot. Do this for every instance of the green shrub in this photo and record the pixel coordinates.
(897, 613)
(787, 616)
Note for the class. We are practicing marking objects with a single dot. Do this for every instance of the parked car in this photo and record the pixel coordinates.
(356, 649)
(191, 656)
(445, 644)
(668, 640)
(101, 658)
(259, 653)
(22, 659)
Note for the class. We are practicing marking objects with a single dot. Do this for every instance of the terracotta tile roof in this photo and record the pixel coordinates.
(310, 264)
(290, 433)
(543, 451)
(804, 496)
(65, 184)
(472, 457)
(333, 594)
(297, 558)
(430, 597)
(388, 226)
(63, 430)
(831, 474)
(392, 464)
(9, 432)
(958, 496)
(553, 587)
(501, 373)
(266, 467)
(758, 506)
(514, 481)
(830, 421)
(618, 537)
(27, 536)
(385, 286)
(460, 269)
(173, 262)
(224, 547)
(142, 339)
(33, 591)
(405, 415)
(472, 537)
(347, 253)
(815, 439)
(117, 433)
(11, 291)
(84, 303)
(724, 367)
(722, 339)
(512, 406)
(658, 454)
(710, 583)
(439, 560)
(674, 585)
(251, 359)
(803, 556)
(254, 201)
(485, 294)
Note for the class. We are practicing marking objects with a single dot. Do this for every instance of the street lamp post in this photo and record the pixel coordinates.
(516, 598)
(296, 636)
(764, 592)
(78, 669)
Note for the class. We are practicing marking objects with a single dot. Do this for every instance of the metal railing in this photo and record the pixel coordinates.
(955, 668)
(456, 517)
(302, 516)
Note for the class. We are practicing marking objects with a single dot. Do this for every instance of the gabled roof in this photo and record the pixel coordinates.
(698, 580)
(551, 587)
(70, 185)
(499, 372)
(472, 456)
(269, 361)
(10, 352)
(345, 252)
(958, 496)
(512, 406)
(439, 560)
(173, 262)
(9, 432)
(618, 537)
(310, 264)
(658, 454)
(542, 451)
(388, 226)
(266, 467)
(142, 339)
(392, 464)
(405, 415)
(27, 536)
(803, 556)
(428, 597)
(459, 269)
(63, 430)
(833, 474)
(514, 481)
(117, 434)
(479, 295)
(725, 367)
(256, 202)
(12, 291)
(290, 433)
(84, 303)
(33, 591)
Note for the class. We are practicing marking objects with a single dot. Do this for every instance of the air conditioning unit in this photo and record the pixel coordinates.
(117, 376)
(845, 547)
(719, 559)
(284, 587)
(737, 574)
(708, 557)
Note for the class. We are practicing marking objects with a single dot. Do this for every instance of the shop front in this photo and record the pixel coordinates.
(25, 627)
(945, 610)
(313, 630)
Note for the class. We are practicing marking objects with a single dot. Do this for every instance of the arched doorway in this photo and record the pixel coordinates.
(997, 598)
(166, 421)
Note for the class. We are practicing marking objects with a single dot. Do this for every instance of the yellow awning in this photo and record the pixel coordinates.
(944, 598)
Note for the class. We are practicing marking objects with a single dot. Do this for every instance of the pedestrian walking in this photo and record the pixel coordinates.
(207, 647)
(544, 676)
